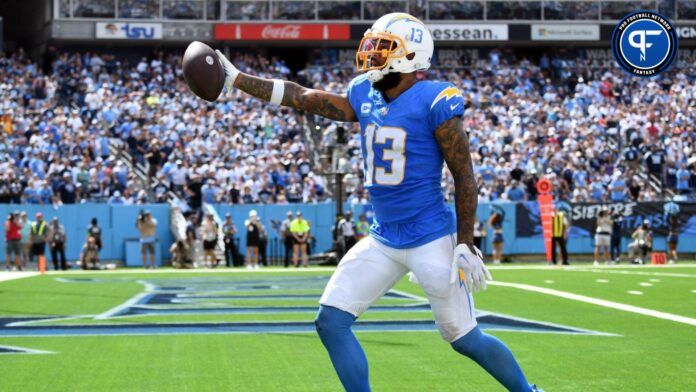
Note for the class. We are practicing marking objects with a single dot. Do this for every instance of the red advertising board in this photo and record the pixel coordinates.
(282, 32)
(545, 199)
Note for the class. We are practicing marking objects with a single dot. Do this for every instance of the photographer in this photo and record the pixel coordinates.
(616, 223)
(147, 226)
(642, 243)
(57, 245)
(13, 238)
(287, 238)
(89, 257)
(181, 257)
(230, 231)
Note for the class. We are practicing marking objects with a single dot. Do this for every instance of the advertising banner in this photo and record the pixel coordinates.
(469, 32)
(130, 30)
(583, 218)
(282, 32)
(565, 32)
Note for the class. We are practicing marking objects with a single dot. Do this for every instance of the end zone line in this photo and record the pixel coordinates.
(600, 302)
(5, 276)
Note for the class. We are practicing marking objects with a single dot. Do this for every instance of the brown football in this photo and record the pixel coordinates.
(203, 71)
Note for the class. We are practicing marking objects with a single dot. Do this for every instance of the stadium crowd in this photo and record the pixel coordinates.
(594, 131)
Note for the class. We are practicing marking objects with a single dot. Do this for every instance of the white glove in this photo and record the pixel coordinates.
(471, 262)
(231, 72)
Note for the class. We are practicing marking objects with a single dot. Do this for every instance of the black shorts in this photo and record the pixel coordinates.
(209, 245)
(38, 249)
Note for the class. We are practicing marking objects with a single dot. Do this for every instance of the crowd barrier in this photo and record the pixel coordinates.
(118, 226)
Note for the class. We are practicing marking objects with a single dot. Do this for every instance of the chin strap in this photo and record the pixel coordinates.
(375, 75)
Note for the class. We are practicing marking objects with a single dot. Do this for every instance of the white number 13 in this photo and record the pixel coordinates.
(394, 173)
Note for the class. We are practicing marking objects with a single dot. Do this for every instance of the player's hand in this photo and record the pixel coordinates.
(470, 260)
(231, 72)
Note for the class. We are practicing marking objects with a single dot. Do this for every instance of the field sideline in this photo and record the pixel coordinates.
(579, 328)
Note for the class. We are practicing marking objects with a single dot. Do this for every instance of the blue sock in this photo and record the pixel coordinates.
(492, 355)
(347, 356)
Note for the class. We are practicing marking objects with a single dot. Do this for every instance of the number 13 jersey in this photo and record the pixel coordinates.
(402, 161)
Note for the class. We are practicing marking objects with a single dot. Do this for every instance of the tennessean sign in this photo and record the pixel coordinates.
(469, 32)
(282, 32)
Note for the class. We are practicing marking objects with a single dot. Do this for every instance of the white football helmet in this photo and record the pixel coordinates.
(396, 42)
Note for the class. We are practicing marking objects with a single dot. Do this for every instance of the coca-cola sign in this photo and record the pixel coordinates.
(282, 32)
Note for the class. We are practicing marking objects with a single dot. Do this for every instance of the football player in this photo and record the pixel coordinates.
(407, 128)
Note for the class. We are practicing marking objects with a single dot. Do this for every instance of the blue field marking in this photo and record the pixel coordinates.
(7, 350)
(147, 310)
(190, 296)
(487, 322)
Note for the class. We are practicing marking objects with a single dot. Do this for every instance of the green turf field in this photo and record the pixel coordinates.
(579, 329)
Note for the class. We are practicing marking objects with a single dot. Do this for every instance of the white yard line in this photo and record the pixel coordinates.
(5, 276)
(643, 273)
(599, 302)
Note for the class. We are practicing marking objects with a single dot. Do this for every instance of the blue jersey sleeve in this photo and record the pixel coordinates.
(353, 90)
(448, 103)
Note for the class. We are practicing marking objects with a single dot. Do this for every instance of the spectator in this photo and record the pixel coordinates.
(231, 252)
(39, 236)
(603, 235)
(479, 234)
(559, 230)
(618, 188)
(147, 226)
(89, 257)
(300, 232)
(253, 234)
(25, 243)
(95, 232)
(683, 179)
(13, 238)
(362, 227)
(69, 193)
(495, 221)
(57, 245)
(209, 232)
(287, 238)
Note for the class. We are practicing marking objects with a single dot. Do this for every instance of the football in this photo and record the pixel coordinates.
(203, 71)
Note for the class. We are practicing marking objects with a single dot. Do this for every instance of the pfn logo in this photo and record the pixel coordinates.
(641, 43)
(644, 43)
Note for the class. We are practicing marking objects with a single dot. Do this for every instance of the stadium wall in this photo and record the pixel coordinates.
(118, 226)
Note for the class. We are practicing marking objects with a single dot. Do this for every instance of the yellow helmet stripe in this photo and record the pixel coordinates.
(404, 17)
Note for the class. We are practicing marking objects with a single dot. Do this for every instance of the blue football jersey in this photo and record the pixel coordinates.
(402, 159)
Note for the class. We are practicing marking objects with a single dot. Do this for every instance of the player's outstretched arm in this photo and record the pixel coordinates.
(454, 144)
(323, 103)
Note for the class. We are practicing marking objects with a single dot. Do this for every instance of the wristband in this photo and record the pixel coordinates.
(278, 92)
